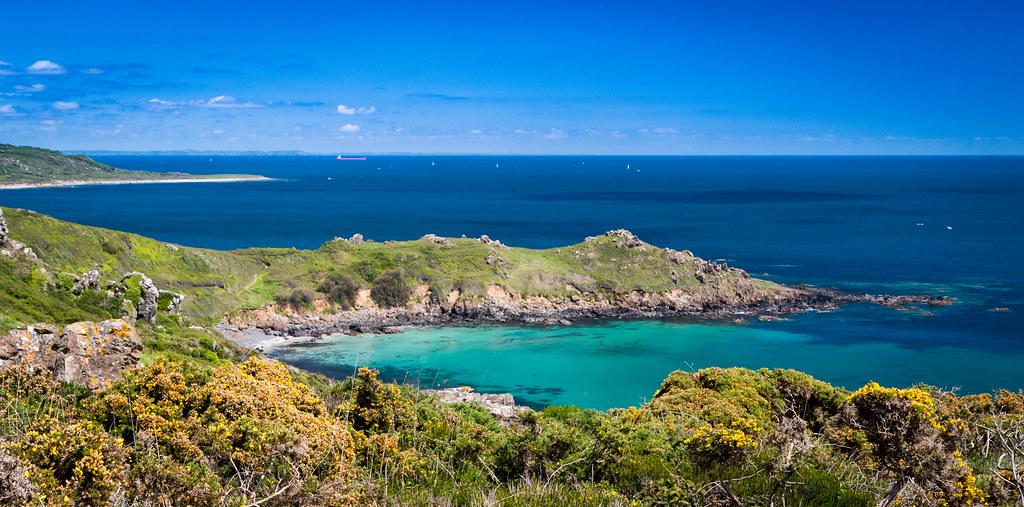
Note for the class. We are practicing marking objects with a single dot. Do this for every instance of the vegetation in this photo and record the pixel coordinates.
(218, 282)
(28, 165)
(389, 290)
(340, 290)
(206, 423)
(252, 431)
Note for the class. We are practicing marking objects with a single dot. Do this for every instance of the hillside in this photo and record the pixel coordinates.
(200, 424)
(433, 278)
(24, 165)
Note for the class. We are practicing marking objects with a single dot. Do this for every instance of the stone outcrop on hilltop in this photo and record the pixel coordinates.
(8, 246)
(87, 353)
(719, 292)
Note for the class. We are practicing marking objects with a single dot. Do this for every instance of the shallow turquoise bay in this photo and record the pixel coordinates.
(622, 363)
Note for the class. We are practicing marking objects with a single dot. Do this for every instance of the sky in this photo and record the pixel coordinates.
(594, 77)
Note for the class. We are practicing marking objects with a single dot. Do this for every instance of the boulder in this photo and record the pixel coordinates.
(89, 280)
(88, 353)
(438, 240)
(503, 406)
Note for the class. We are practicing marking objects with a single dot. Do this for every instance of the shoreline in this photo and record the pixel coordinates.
(266, 328)
(78, 183)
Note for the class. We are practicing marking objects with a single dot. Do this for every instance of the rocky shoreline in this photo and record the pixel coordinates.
(276, 324)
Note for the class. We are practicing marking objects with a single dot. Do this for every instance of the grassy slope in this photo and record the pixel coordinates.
(217, 282)
(28, 165)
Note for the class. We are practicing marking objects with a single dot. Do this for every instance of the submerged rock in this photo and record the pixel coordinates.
(88, 353)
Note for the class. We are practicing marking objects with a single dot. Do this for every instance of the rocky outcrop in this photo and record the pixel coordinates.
(173, 301)
(503, 406)
(88, 353)
(5, 233)
(148, 297)
(9, 247)
(438, 240)
(485, 239)
(88, 280)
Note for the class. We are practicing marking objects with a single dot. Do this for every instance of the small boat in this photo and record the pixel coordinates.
(495, 165)
(431, 163)
(350, 158)
(919, 224)
(627, 166)
(949, 227)
(330, 178)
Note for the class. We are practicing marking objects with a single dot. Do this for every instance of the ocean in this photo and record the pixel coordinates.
(941, 225)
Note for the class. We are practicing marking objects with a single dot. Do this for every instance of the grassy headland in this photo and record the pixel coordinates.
(25, 167)
(202, 424)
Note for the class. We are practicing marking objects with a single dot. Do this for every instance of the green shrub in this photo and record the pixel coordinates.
(298, 298)
(340, 289)
(390, 290)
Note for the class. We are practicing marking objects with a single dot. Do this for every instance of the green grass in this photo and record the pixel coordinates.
(218, 282)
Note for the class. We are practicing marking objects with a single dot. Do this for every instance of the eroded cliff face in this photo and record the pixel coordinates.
(88, 353)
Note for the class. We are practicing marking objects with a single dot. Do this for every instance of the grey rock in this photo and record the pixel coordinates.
(146, 309)
(88, 280)
(15, 488)
(174, 303)
(503, 406)
(5, 233)
(438, 240)
(89, 353)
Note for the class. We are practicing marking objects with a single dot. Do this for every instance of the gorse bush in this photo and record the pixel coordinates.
(340, 289)
(249, 433)
(390, 290)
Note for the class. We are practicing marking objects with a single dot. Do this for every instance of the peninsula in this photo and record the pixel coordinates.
(29, 167)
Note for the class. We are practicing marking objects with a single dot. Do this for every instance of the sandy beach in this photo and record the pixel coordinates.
(75, 183)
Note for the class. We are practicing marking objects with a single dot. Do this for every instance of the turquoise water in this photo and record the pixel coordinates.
(897, 225)
(622, 363)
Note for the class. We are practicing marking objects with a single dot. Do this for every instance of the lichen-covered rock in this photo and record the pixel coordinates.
(88, 353)
(89, 280)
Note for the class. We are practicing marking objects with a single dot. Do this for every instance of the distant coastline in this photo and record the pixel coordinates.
(76, 183)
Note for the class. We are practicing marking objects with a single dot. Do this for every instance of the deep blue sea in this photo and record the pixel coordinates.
(950, 225)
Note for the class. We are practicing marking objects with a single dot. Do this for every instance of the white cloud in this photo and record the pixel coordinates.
(49, 125)
(664, 131)
(476, 132)
(6, 69)
(38, 87)
(349, 128)
(555, 134)
(349, 110)
(7, 109)
(92, 71)
(217, 132)
(220, 102)
(520, 132)
(45, 67)
(65, 105)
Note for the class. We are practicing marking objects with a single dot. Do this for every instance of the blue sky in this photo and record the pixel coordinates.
(519, 77)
